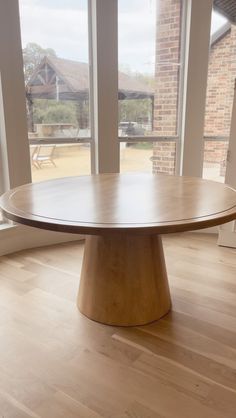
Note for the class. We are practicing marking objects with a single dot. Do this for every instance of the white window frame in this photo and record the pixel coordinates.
(103, 44)
(103, 30)
(13, 126)
(197, 54)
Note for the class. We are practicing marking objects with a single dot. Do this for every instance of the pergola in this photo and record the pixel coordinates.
(61, 79)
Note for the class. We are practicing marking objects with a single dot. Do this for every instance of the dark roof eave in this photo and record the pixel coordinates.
(226, 8)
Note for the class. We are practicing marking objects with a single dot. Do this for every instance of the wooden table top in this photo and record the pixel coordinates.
(134, 203)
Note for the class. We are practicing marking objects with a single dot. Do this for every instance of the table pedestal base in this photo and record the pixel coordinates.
(124, 280)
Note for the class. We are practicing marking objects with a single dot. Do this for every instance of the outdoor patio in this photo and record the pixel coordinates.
(74, 160)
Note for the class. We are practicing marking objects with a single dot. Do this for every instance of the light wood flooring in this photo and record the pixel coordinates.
(55, 363)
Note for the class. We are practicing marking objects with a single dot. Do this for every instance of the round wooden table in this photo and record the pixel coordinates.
(123, 279)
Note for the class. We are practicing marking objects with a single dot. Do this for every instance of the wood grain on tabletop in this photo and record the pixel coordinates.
(137, 203)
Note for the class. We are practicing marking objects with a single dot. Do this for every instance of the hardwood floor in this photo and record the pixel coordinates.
(56, 363)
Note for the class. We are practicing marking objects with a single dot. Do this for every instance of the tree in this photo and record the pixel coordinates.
(51, 111)
(32, 56)
(135, 110)
(139, 110)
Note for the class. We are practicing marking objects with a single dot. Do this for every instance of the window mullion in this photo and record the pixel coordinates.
(197, 52)
(105, 85)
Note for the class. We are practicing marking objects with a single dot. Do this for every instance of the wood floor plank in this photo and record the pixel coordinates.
(215, 332)
(56, 363)
(182, 304)
(203, 300)
(62, 405)
(12, 272)
(194, 341)
(199, 363)
(153, 392)
(220, 294)
(10, 409)
(137, 410)
(183, 380)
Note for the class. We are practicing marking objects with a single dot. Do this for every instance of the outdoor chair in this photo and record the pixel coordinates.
(43, 155)
(33, 152)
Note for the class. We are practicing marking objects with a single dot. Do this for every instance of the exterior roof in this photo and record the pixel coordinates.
(71, 79)
(227, 8)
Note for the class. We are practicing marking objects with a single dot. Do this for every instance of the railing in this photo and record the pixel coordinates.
(148, 138)
(59, 140)
(76, 140)
(138, 138)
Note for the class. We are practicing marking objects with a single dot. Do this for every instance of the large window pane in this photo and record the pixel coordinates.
(149, 73)
(145, 156)
(137, 40)
(56, 68)
(53, 161)
(215, 154)
(219, 100)
(136, 156)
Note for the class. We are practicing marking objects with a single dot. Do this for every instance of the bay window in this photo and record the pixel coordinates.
(95, 86)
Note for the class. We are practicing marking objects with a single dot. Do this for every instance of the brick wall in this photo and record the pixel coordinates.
(164, 157)
(219, 99)
(166, 88)
(215, 151)
(220, 88)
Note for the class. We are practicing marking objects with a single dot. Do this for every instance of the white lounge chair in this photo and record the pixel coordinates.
(43, 155)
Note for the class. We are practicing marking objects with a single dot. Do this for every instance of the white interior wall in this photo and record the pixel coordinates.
(20, 237)
(13, 125)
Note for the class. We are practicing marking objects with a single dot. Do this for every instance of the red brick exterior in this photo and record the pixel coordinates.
(220, 88)
(220, 85)
(166, 89)
(164, 157)
(219, 100)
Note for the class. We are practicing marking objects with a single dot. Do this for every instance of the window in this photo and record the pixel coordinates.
(136, 156)
(219, 99)
(56, 70)
(149, 81)
(56, 49)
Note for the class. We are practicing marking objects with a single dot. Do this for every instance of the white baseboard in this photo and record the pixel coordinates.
(15, 238)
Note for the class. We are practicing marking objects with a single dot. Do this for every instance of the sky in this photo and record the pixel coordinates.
(63, 26)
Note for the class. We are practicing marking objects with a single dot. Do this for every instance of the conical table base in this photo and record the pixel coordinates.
(123, 280)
